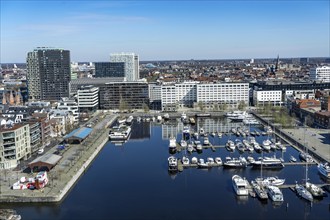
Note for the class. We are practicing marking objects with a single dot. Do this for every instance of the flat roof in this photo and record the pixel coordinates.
(81, 133)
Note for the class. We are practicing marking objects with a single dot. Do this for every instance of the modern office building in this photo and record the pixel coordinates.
(48, 73)
(15, 142)
(88, 98)
(123, 95)
(109, 69)
(155, 96)
(77, 83)
(131, 61)
(320, 73)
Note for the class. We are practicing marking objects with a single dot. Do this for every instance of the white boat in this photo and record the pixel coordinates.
(257, 147)
(219, 134)
(293, 159)
(250, 159)
(199, 146)
(183, 143)
(194, 160)
(172, 144)
(270, 181)
(240, 185)
(250, 121)
(185, 160)
(201, 131)
(275, 194)
(303, 192)
(213, 134)
(172, 163)
(192, 121)
(196, 135)
(240, 146)
(190, 148)
(121, 132)
(138, 119)
(201, 163)
(259, 190)
(183, 116)
(266, 144)
(210, 161)
(186, 132)
(268, 163)
(121, 120)
(206, 141)
(316, 191)
(235, 162)
(159, 118)
(230, 145)
(129, 120)
(324, 169)
(218, 160)
(166, 116)
(234, 114)
(306, 157)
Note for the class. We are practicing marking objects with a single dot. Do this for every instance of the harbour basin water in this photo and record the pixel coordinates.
(131, 181)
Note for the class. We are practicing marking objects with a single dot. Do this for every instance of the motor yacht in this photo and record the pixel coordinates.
(240, 185)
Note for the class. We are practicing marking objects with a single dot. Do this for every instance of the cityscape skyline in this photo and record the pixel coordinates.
(166, 30)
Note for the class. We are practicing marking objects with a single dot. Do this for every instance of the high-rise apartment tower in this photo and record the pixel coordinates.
(48, 73)
(131, 61)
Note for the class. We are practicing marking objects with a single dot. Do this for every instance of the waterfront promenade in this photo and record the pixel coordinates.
(75, 160)
(315, 141)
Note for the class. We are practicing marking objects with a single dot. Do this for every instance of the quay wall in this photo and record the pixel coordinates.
(41, 197)
(291, 140)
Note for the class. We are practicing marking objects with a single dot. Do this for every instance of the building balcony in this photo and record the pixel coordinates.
(9, 141)
(9, 153)
(12, 147)
(7, 136)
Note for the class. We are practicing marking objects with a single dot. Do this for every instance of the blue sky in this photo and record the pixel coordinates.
(166, 30)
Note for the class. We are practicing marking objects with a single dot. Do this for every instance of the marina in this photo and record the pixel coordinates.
(189, 177)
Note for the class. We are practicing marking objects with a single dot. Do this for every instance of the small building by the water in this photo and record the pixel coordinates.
(44, 162)
(77, 135)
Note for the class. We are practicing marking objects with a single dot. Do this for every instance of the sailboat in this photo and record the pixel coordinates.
(300, 189)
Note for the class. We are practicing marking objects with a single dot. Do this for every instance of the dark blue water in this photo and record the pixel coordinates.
(132, 182)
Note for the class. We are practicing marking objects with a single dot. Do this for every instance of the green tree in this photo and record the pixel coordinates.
(201, 106)
(123, 105)
(241, 105)
(145, 107)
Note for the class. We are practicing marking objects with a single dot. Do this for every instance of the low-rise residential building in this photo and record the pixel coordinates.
(71, 106)
(14, 144)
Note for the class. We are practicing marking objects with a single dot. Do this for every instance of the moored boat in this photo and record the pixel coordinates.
(259, 190)
(303, 192)
(235, 162)
(275, 194)
(172, 163)
(121, 132)
(268, 163)
(316, 191)
(324, 170)
(240, 185)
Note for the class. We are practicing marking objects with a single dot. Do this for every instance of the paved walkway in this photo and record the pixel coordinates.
(75, 159)
(316, 140)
